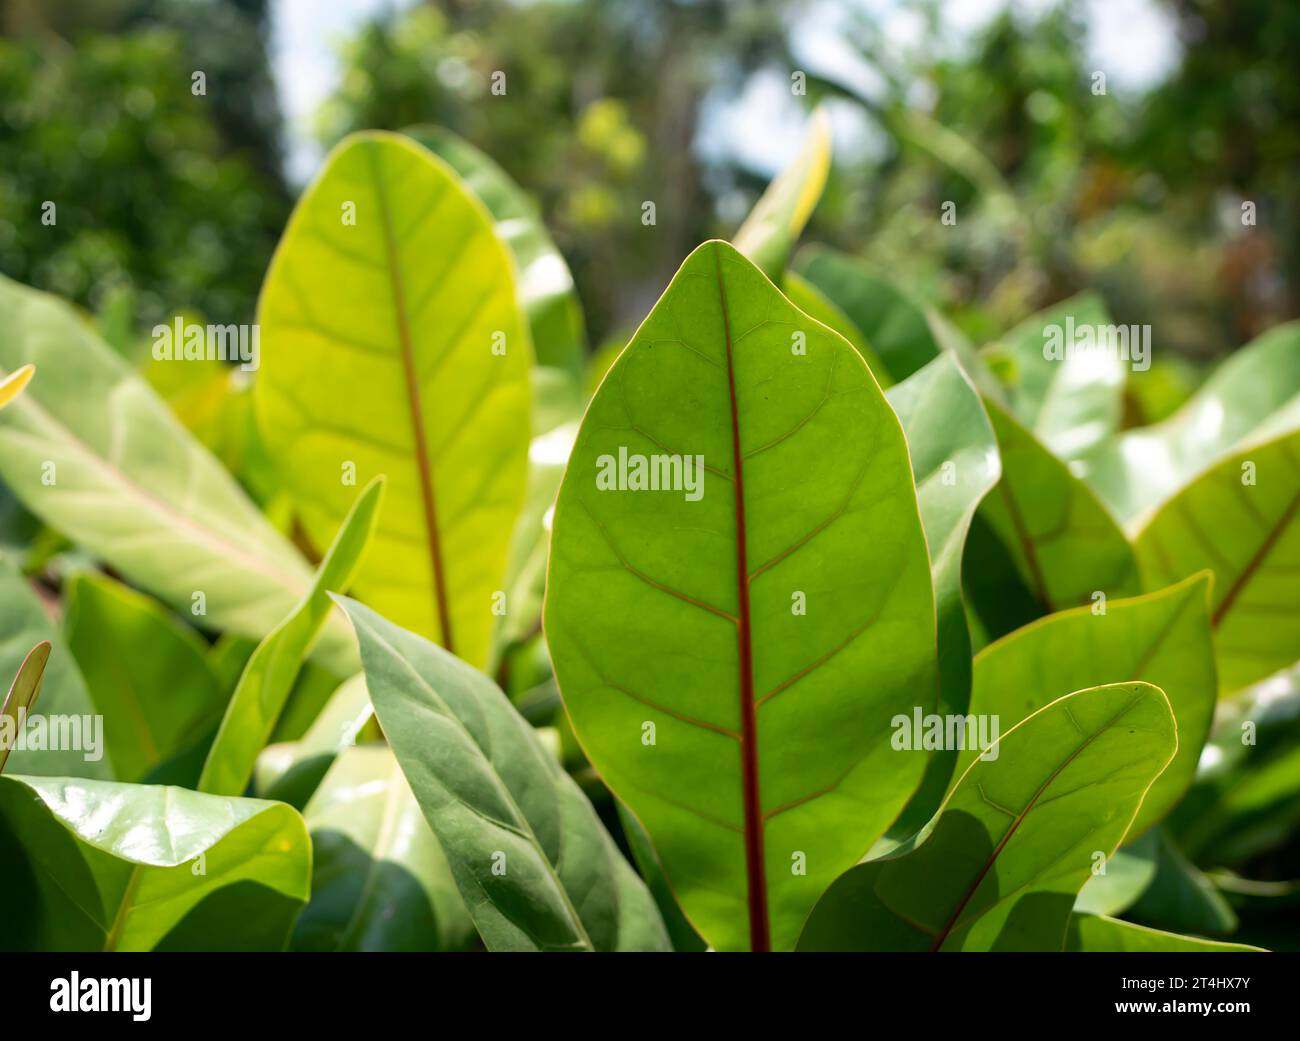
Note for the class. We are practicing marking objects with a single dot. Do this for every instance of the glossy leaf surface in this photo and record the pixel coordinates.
(98, 865)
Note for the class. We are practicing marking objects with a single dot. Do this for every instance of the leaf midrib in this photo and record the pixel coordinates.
(1256, 560)
(152, 502)
(424, 466)
(759, 927)
(973, 888)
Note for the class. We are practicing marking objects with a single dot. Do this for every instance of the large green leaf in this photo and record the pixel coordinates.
(378, 360)
(1162, 638)
(899, 329)
(93, 451)
(24, 624)
(269, 676)
(1016, 838)
(147, 673)
(379, 881)
(1097, 933)
(1241, 518)
(955, 459)
(1254, 394)
(20, 697)
(546, 287)
(731, 664)
(1064, 545)
(535, 866)
(774, 225)
(1070, 401)
(91, 865)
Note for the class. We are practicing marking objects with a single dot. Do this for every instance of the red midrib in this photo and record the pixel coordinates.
(759, 930)
(1254, 563)
(948, 927)
(423, 465)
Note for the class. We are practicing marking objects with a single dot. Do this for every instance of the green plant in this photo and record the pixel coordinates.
(867, 638)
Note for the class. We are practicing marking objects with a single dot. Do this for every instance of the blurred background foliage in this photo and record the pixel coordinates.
(1137, 194)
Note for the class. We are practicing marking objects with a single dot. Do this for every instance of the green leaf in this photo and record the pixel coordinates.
(680, 931)
(768, 630)
(12, 385)
(1162, 638)
(899, 330)
(1253, 395)
(1016, 838)
(525, 582)
(1064, 545)
(380, 881)
(1129, 871)
(535, 866)
(93, 451)
(290, 771)
(147, 673)
(22, 694)
(1097, 933)
(379, 359)
(955, 460)
(773, 226)
(546, 288)
(812, 302)
(92, 865)
(1070, 401)
(23, 625)
(268, 677)
(1241, 519)
(199, 392)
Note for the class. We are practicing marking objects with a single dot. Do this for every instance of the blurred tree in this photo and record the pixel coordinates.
(1225, 130)
(155, 185)
(1058, 186)
(600, 113)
